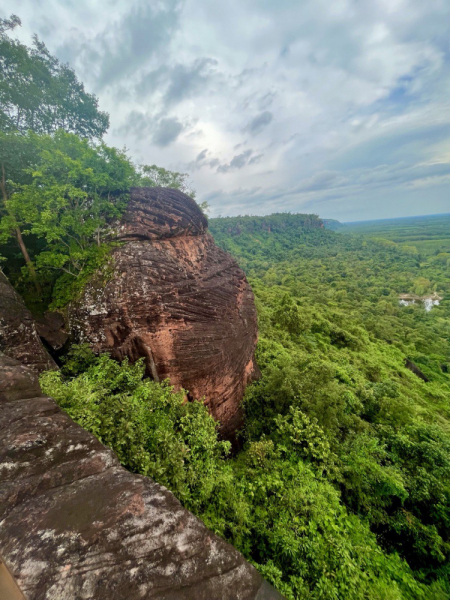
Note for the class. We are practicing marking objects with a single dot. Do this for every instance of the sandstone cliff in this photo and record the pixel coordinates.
(75, 524)
(172, 296)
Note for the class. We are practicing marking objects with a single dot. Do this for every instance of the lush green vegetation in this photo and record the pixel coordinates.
(275, 500)
(342, 486)
(341, 489)
(333, 225)
(333, 341)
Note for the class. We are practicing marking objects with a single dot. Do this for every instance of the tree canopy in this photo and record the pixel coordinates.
(71, 199)
(40, 94)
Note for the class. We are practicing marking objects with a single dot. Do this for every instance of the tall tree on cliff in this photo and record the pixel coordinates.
(72, 199)
(38, 94)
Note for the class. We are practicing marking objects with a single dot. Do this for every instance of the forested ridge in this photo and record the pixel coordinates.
(333, 344)
(341, 486)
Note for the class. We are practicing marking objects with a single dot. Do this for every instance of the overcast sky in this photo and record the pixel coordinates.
(337, 107)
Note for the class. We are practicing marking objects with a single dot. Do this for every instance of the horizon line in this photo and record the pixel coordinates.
(393, 218)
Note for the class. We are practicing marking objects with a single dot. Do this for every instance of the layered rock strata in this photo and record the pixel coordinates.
(18, 334)
(172, 296)
(75, 524)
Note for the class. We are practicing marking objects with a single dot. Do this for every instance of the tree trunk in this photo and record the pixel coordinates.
(27, 258)
(19, 238)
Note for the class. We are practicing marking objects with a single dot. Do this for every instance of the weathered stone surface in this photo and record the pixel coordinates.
(176, 299)
(18, 336)
(158, 213)
(16, 380)
(76, 525)
(50, 327)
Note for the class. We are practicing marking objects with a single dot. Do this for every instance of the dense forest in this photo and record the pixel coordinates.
(341, 486)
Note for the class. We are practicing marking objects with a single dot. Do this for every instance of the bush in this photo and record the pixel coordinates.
(152, 429)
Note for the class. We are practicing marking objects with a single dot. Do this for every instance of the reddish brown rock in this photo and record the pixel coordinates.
(172, 296)
(18, 336)
(159, 213)
(74, 524)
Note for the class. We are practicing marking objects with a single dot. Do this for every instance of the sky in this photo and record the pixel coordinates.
(339, 108)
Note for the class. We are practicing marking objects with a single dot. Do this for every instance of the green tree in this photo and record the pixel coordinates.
(154, 176)
(139, 418)
(72, 199)
(17, 152)
(39, 94)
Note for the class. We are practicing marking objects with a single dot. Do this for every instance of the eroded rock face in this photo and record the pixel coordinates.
(75, 524)
(50, 327)
(159, 213)
(18, 335)
(176, 299)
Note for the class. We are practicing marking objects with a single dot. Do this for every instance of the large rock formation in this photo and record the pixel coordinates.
(75, 524)
(172, 296)
(18, 335)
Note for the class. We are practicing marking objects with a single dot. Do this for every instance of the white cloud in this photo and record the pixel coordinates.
(339, 108)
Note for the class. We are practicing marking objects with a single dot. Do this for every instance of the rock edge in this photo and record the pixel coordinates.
(75, 524)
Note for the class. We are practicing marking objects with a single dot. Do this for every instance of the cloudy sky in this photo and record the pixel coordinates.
(341, 107)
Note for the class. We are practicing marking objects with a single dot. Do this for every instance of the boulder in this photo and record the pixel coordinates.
(171, 296)
(75, 524)
(19, 338)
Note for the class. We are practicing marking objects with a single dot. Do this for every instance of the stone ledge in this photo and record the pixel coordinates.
(75, 524)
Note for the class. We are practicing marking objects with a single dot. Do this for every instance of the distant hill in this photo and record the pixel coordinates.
(333, 225)
(276, 223)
